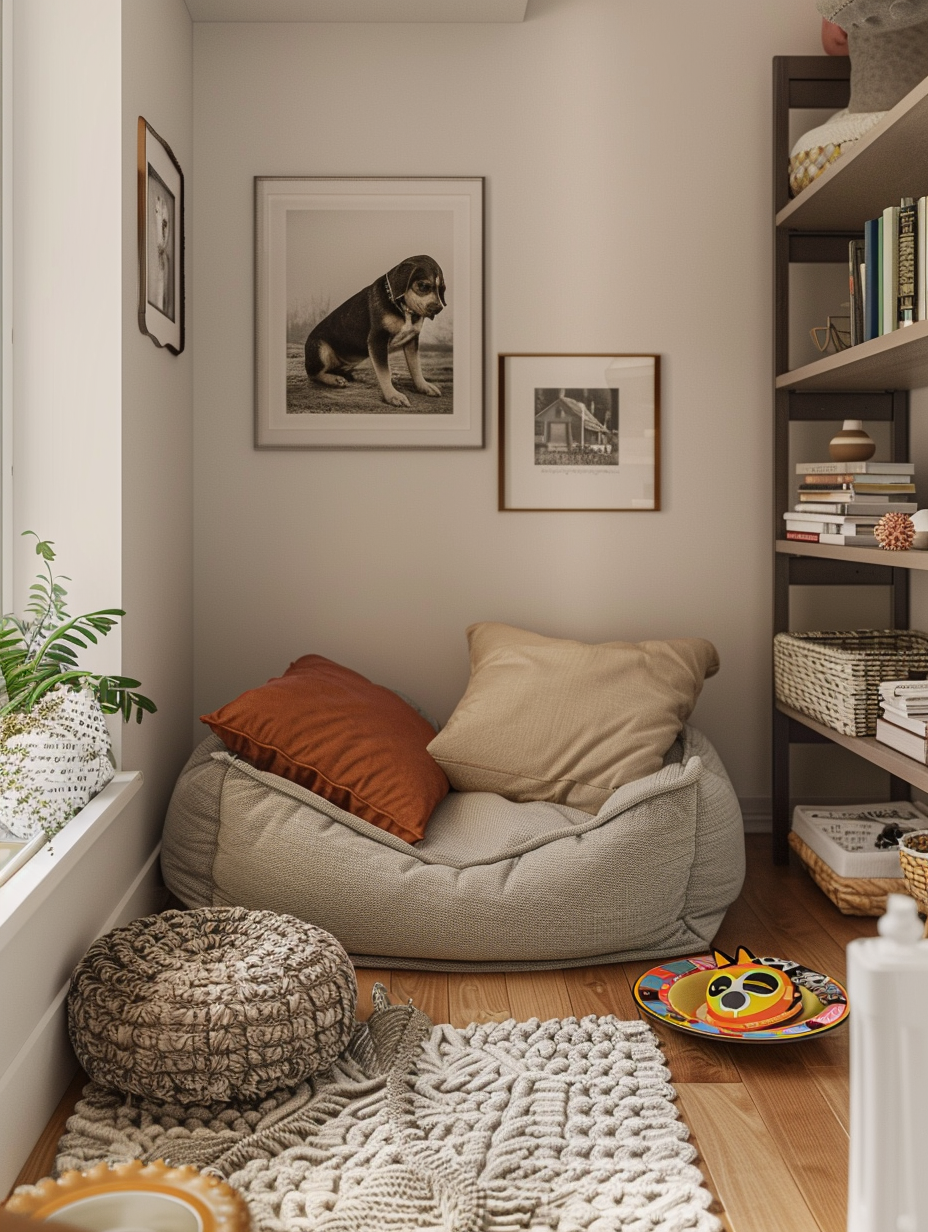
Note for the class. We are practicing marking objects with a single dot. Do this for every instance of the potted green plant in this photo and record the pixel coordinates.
(55, 750)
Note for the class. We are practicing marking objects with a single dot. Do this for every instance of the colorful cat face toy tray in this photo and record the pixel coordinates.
(744, 999)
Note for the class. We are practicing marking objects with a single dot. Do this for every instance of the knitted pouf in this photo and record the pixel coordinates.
(215, 1004)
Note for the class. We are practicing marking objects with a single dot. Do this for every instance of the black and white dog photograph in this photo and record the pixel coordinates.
(161, 245)
(576, 427)
(370, 312)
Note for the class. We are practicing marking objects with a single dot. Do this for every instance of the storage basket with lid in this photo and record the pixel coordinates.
(834, 677)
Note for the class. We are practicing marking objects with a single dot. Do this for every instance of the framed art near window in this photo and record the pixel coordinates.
(579, 432)
(368, 313)
(161, 241)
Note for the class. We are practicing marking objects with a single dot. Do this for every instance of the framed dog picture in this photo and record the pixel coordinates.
(161, 241)
(369, 313)
(579, 432)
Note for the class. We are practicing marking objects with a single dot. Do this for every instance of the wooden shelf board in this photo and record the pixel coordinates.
(905, 768)
(889, 162)
(860, 556)
(894, 361)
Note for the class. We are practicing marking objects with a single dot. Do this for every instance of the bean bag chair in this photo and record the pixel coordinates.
(494, 885)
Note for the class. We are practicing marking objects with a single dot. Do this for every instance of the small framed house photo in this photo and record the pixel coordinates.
(368, 313)
(161, 241)
(579, 432)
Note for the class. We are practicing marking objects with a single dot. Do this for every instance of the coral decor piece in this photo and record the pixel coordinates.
(894, 532)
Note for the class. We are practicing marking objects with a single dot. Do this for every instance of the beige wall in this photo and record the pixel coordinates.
(66, 317)
(101, 418)
(157, 415)
(626, 150)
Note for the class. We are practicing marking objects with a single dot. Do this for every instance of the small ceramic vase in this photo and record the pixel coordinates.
(851, 444)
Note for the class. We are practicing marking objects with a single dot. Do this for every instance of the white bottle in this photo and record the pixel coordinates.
(888, 991)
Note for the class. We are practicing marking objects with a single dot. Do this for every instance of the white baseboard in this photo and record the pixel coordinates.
(43, 933)
(757, 814)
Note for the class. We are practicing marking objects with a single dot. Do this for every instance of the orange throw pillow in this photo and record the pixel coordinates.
(350, 741)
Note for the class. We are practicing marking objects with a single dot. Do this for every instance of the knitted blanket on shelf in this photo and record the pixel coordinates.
(562, 1125)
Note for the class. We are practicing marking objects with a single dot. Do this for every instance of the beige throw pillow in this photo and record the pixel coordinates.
(547, 719)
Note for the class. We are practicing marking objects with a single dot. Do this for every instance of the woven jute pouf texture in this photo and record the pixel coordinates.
(214, 1004)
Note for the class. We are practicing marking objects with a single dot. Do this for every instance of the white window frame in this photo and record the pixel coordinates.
(6, 298)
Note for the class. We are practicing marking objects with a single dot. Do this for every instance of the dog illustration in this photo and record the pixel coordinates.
(386, 316)
(160, 291)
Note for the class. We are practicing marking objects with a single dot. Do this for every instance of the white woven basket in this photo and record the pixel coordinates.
(834, 677)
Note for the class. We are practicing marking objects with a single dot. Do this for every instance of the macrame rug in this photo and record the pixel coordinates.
(562, 1125)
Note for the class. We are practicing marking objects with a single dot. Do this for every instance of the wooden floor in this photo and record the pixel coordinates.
(770, 1123)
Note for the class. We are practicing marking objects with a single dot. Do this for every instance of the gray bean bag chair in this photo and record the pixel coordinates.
(494, 885)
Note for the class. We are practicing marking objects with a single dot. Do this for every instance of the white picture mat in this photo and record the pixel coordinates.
(631, 484)
(275, 427)
(167, 332)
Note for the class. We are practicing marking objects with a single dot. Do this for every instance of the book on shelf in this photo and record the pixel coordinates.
(835, 479)
(881, 289)
(861, 507)
(888, 279)
(830, 528)
(855, 468)
(909, 743)
(909, 701)
(850, 492)
(872, 283)
(909, 722)
(850, 541)
(891, 689)
(906, 276)
(921, 266)
(856, 274)
(859, 489)
(841, 525)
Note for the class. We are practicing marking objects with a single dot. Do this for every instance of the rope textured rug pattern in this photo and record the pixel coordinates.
(566, 1125)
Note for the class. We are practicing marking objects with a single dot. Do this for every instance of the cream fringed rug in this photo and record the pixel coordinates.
(561, 1125)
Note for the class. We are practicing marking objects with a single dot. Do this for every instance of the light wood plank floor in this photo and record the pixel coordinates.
(770, 1123)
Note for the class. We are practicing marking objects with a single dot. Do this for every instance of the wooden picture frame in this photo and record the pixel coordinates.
(161, 241)
(579, 432)
(345, 270)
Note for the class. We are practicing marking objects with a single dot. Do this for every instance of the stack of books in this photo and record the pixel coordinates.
(888, 271)
(841, 502)
(904, 722)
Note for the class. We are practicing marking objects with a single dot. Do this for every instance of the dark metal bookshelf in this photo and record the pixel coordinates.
(852, 385)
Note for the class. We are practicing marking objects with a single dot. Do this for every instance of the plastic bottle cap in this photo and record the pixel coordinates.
(901, 922)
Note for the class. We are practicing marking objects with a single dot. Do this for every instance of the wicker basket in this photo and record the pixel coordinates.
(851, 895)
(913, 856)
(835, 677)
